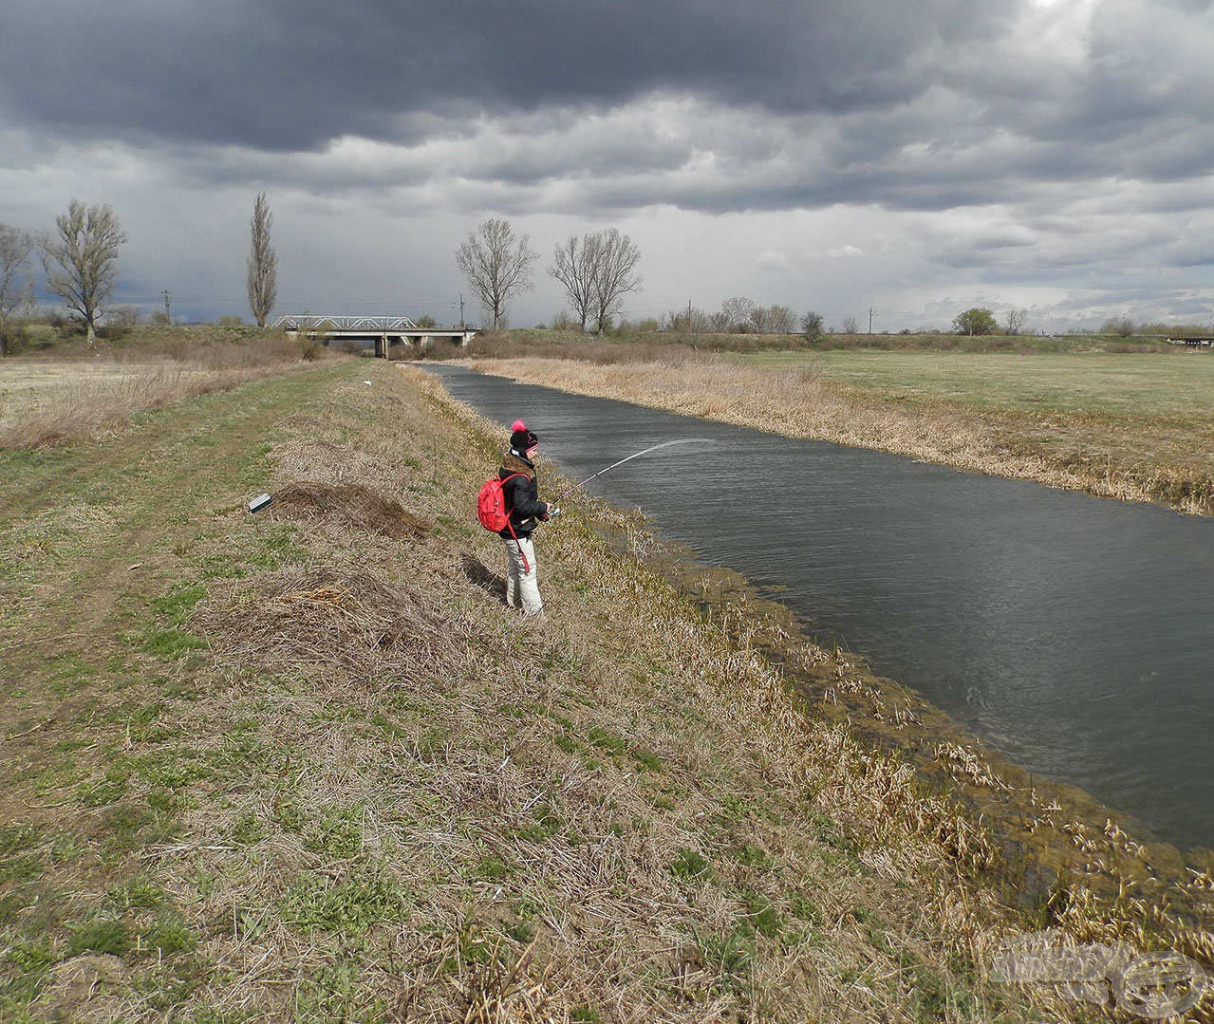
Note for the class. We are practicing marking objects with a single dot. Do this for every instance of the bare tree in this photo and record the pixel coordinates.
(81, 260)
(781, 320)
(1016, 319)
(1121, 326)
(616, 259)
(263, 262)
(685, 321)
(850, 325)
(497, 263)
(574, 266)
(737, 313)
(16, 288)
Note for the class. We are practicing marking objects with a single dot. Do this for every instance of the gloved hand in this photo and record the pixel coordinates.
(554, 511)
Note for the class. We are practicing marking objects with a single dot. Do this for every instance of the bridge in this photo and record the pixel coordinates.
(385, 332)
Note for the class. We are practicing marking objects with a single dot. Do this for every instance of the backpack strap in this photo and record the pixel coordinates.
(510, 525)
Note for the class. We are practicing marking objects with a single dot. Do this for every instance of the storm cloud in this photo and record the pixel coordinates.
(286, 74)
(1053, 154)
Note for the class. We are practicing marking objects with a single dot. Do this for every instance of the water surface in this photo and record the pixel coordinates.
(1074, 634)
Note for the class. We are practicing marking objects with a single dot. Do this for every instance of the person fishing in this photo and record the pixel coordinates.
(508, 504)
(520, 488)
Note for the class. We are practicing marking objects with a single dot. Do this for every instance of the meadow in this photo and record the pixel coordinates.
(1177, 385)
(65, 393)
(305, 766)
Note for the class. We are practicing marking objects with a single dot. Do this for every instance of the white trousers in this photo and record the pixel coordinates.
(522, 582)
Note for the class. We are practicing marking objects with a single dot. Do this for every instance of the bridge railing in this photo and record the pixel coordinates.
(376, 324)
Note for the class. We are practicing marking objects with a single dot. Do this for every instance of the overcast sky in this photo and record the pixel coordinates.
(916, 157)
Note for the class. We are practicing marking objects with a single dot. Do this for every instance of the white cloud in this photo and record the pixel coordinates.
(774, 261)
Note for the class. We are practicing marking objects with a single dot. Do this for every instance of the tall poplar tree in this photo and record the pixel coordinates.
(263, 262)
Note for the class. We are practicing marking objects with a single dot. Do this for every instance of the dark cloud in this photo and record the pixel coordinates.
(291, 74)
(1010, 142)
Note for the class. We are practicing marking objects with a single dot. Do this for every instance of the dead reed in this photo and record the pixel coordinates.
(801, 404)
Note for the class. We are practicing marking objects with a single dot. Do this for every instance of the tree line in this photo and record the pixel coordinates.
(597, 271)
(79, 260)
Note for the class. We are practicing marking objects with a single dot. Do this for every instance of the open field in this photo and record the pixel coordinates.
(617, 346)
(1178, 385)
(51, 399)
(22, 379)
(1134, 427)
(305, 766)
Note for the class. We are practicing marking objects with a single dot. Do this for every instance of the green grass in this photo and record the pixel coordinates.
(1177, 385)
(689, 864)
(348, 907)
(112, 937)
(177, 604)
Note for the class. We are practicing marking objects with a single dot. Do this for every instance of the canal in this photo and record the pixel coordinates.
(1074, 634)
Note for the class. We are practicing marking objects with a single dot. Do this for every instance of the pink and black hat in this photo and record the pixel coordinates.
(522, 438)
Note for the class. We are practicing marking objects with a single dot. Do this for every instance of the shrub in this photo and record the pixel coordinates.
(1121, 326)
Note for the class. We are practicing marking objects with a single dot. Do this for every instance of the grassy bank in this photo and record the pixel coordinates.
(1134, 427)
(305, 766)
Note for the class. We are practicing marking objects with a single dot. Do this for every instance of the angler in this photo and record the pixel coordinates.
(509, 505)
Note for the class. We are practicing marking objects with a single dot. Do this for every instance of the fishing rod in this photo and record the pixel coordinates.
(636, 455)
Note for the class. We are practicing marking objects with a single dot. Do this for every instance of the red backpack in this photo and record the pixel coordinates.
(491, 504)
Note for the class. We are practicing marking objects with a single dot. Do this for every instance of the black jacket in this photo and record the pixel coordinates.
(522, 495)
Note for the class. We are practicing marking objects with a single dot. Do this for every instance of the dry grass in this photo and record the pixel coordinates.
(408, 803)
(50, 402)
(799, 403)
(642, 348)
(628, 812)
(349, 505)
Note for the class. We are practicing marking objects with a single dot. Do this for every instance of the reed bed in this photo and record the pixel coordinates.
(799, 403)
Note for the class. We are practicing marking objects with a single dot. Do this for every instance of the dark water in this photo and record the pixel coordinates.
(1073, 633)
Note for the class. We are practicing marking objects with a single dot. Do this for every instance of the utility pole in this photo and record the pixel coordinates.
(461, 312)
(871, 314)
(168, 316)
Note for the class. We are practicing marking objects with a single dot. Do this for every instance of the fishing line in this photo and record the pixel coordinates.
(635, 455)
